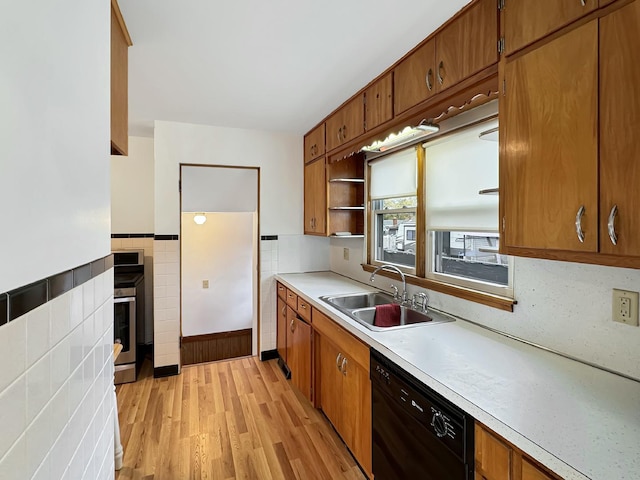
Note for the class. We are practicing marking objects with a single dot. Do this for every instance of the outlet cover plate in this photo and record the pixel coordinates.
(625, 307)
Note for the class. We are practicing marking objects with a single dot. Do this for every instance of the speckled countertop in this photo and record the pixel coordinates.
(579, 421)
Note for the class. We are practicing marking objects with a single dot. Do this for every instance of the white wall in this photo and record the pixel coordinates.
(561, 305)
(132, 188)
(279, 156)
(56, 381)
(54, 132)
(222, 252)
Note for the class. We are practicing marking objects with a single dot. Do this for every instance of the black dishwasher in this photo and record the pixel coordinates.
(417, 434)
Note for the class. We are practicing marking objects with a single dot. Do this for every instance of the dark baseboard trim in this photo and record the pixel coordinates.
(22, 300)
(285, 368)
(167, 371)
(216, 336)
(268, 355)
(213, 347)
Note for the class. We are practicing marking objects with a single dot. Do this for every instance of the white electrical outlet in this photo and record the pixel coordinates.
(625, 307)
(205, 283)
(345, 253)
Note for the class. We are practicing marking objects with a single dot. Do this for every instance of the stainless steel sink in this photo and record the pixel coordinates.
(361, 307)
(352, 301)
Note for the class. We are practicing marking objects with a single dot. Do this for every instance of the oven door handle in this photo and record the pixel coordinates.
(124, 299)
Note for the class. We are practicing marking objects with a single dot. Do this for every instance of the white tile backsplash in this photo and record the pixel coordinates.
(166, 267)
(58, 387)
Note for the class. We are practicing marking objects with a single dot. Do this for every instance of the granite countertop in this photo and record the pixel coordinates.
(579, 421)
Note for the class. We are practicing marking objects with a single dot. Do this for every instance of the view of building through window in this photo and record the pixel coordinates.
(395, 220)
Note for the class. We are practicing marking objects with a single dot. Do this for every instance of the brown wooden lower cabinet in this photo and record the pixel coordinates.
(281, 341)
(343, 387)
(299, 352)
(497, 459)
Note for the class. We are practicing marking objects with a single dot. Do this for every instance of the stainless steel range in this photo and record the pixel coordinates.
(128, 305)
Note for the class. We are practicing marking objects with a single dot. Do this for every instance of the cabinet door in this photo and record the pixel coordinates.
(356, 405)
(290, 354)
(549, 149)
(619, 125)
(282, 329)
(531, 472)
(315, 197)
(378, 104)
(119, 88)
(467, 45)
(331, 381)
(493, 457)
(480, 48)
(415, 78)
(346, 124)
(301, 351)
(526, 21)
(314, 144)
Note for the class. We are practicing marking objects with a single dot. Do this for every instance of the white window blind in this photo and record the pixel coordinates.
(457, 168)
(395, 175)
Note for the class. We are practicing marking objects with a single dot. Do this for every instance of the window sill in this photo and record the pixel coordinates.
(495, 301)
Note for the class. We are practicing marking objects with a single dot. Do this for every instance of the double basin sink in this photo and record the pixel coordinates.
(361, 307)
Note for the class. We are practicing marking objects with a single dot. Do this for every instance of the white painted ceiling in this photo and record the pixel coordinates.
(278, 65)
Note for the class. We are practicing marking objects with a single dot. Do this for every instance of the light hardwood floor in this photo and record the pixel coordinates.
(224, 420)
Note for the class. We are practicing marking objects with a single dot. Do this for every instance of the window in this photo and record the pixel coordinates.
(394, 204)
(458, 207)
(462, 223)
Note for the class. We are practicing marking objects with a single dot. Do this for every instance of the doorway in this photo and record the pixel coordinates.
(219, 240)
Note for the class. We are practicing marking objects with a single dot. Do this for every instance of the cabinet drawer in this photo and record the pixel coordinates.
(282, 290)
(493, 457)
(345, 342)
(292, 299)
(304, 309)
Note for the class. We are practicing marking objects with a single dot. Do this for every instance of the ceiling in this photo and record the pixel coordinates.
(278, 65)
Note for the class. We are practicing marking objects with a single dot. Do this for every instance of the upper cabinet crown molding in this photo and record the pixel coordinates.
(120, 42)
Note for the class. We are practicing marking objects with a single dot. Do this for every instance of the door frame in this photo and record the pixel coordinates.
(255, 342)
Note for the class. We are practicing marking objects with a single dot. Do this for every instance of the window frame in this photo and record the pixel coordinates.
(424, 275)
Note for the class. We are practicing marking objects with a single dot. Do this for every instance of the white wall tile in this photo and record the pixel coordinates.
(13, 345)
(39, 441)
(13, 413)
(14, 464)
(60, 366)
(88, 303)
(59, 319)
(44, 471)
(38, 333)
(38, 386)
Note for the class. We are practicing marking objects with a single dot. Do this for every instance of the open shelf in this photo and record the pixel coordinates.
(346, 208)
(355, 235)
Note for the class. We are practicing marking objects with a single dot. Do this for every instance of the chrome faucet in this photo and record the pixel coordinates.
(393, 268)
(415, 303)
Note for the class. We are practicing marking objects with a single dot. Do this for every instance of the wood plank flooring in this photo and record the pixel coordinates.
(226, 420)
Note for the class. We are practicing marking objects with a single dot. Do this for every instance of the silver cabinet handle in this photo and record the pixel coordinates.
(343, 367)
(429, 79)
(611, 225)
(338, 361)
(579, 231)
(440, 75)
(340, 134)
(284, 310)
(344, 132)
(583, 3)
(293, 325)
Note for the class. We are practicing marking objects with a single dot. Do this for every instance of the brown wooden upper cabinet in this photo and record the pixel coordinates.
(461, 49)
(549, 146)
(526, 21)
(314, 144)
(559, 188)
(346, 124)
(378, 102)
(315, 198)
(619, 125)
(415, 77)
(120, 42)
